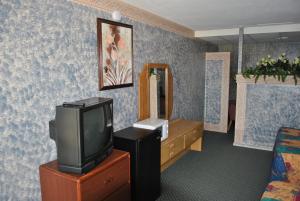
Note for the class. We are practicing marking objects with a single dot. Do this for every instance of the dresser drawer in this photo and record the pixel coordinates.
(192, 136)
(122, 193)
(106, 182)
(176, 146)
(165, 153)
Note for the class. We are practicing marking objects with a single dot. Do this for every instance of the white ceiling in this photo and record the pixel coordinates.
(223, 14)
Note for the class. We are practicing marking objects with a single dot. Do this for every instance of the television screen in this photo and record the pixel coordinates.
(95, 136)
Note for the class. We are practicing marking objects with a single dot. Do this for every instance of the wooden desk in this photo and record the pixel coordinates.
(109, 181)
(183, 136)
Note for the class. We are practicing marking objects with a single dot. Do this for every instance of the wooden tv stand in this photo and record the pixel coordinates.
(109, 181)
(183, 136)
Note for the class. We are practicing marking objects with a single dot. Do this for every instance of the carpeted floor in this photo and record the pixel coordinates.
(221, 172)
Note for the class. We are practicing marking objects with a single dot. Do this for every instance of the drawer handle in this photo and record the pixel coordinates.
(171, 153)
(109, 180)
(171, 145)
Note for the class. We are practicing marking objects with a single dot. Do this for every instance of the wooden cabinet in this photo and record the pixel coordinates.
(192, 136)
(122, 193)
(109, 181)
(165, 154)
(183, 135)
(176, 146)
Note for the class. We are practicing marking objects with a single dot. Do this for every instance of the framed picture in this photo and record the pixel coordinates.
(115, 50)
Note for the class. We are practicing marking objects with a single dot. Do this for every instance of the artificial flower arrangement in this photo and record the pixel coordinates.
(278, 68)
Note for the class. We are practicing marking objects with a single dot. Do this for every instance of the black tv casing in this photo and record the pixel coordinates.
(67, 132)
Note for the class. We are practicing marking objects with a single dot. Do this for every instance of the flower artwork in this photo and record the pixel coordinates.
(115, 54)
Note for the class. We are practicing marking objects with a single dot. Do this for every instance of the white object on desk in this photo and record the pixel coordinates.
(152, 124)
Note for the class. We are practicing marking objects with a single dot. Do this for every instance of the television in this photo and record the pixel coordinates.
(82, 131)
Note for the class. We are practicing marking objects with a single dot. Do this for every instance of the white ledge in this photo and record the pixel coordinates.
(217, 32)
(249, 30)
(269, 80)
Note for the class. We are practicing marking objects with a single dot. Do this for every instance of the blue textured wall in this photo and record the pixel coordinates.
(233, 49)
(255, 51)
(213, 91)
(48, 55)
(268, 108)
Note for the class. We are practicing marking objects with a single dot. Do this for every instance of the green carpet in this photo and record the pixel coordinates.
(221, 172)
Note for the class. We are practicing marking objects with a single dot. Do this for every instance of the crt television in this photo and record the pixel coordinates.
(82, 131)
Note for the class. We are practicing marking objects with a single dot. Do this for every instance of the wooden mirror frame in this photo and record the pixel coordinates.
(144, 90)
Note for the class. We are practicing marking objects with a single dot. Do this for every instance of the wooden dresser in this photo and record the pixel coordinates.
(109, 181)
(183, 135)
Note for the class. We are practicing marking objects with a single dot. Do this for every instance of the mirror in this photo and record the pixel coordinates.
(155, 92)
(157, 96)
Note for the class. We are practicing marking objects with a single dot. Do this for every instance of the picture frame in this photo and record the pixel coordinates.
(115, 54)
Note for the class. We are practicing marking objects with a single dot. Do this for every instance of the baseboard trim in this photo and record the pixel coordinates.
(253, 147)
